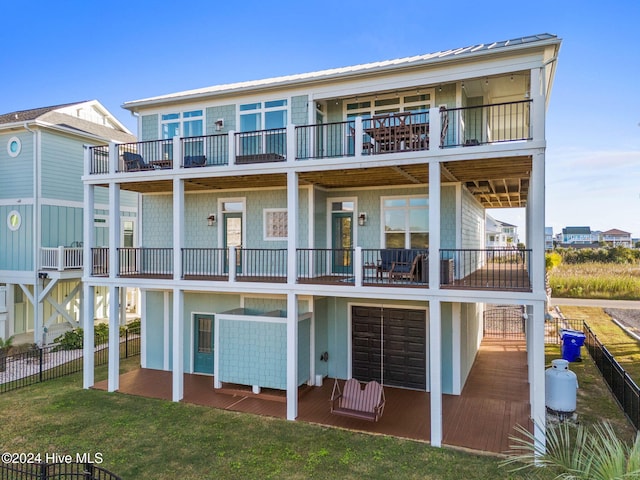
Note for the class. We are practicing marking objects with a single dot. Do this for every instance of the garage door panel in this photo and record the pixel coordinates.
(404, 334)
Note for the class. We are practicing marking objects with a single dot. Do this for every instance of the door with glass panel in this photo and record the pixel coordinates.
(233, 238)
(342, 237)
(203, 343)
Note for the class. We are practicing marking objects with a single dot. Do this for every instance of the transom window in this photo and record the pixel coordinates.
(184, 124)
(406, 221)
(263, 116)
(394, 103)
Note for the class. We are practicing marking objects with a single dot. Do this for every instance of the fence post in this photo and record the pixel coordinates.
(43, 471)
(126, 343)
(40, 351)
(88, 471)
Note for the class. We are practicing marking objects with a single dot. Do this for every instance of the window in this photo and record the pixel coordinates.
(185, 124)
(419, 102)
(14, 220)
(14, 146)
(275, 224)
(406, 222)
(256, 116)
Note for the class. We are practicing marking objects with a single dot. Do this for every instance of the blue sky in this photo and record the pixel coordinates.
(116, 51)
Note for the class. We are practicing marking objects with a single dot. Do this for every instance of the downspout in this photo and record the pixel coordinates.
(37, 320)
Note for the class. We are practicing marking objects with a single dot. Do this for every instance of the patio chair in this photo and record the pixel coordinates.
(406, 270)
(195, 161)
(134, 162)
(354, 401)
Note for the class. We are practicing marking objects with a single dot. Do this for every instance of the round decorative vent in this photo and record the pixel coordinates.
(14, 146)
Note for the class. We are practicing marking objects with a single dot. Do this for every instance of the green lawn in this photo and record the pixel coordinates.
(142, 438)
(621, 345)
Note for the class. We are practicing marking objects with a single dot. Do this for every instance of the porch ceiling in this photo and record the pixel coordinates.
(497, 182)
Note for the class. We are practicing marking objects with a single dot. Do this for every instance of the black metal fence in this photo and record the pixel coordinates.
(21, 470)
(624, 389)
(36, 364)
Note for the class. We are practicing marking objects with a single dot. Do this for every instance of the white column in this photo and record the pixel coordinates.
(88, 339)
(292, 301)
(177, 153)
(435, 375)
(434, 225)
(292, 235)
(358, 140)
(291, 143)
(178, 346)
(113, 158)
(178, 227)
(292, 356)
(114, 232)
(536, 367)
(143, 328)
(357, 266)
(114, 340)
(435, 321)
(538, 104)
(456, 321)
(434, 129)
(537, 205)
(232, 147)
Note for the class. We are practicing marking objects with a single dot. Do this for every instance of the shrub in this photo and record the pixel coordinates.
(552, 260)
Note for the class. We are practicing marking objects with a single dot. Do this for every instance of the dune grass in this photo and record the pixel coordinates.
(596, 280)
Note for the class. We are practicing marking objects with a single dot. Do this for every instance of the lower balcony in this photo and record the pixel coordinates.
(62, 258)
(472, 269)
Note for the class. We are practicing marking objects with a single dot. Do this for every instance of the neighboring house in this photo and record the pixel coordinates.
(616, 238)
(548, 238)
(41, 207)
(500, 234)
(578, 236)
(331, 224)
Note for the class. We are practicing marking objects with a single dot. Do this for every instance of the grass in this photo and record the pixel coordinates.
(596, 280)
(141, 438)
(621, 345)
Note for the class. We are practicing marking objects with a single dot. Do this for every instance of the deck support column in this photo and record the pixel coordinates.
(88, 362)
(292, 299)
(535, 319)
(88, 292)
(114, 269)
(114, 340)
(435, 375)
(435, 320)
(178, 345)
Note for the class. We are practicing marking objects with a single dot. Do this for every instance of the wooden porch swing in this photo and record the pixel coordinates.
(354, 401)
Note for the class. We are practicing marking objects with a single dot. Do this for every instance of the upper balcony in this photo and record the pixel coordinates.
(431, 131)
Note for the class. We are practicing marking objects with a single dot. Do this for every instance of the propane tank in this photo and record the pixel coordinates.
(561, 386)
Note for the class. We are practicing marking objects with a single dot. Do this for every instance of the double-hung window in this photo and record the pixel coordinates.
(263, 127)
(406, 222)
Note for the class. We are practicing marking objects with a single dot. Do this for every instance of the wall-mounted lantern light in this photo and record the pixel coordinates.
(211, 220)
(362, 219)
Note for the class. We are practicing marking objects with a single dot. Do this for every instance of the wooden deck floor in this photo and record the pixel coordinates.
(494, 399)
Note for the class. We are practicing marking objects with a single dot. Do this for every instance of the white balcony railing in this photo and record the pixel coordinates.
(61, 258)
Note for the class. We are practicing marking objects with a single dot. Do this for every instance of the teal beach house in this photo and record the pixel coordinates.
(331, 225)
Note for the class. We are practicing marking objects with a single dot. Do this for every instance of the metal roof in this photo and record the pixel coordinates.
(347, 71)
